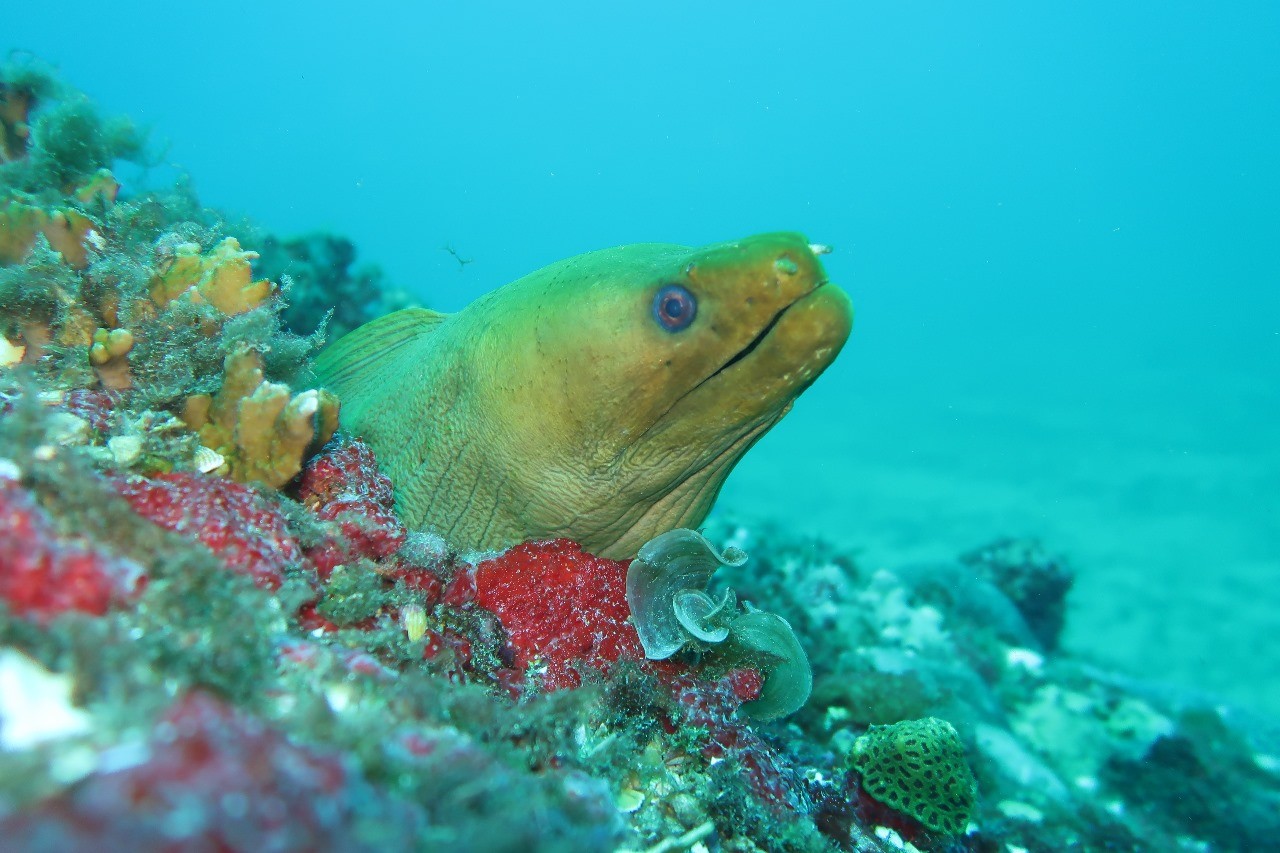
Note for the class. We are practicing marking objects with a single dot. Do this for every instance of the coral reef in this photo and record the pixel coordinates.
(247, 533)
(212, 777)
(1035, 581)
(221, 277)
(222, 635)
(342, 484)
(65, 230)
(54, 151)
(1201, 781)
(46, 574)
(583, 622)
(50, 134)
(101, 292)
(18, 94)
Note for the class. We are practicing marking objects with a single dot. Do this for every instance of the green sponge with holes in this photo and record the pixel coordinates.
(917, 767)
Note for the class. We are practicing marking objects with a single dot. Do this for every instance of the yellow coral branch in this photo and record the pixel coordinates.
(222, 277)
(260, 427)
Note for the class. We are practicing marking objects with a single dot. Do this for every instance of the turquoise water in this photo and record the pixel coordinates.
(1060, 227)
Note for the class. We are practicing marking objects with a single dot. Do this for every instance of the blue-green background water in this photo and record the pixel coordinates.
(1060, 224)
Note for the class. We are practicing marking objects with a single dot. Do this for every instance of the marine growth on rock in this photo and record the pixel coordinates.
(918, 767)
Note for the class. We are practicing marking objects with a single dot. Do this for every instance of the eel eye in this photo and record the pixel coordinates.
(674, 307)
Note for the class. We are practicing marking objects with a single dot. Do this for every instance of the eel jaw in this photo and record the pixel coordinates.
(762, 334)
(757, 385)
(789, 352)
(719, 420)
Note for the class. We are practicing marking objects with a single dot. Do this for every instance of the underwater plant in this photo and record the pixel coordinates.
(52, 136)
(666, 591)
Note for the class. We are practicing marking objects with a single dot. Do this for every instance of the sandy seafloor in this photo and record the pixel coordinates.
(1160, 487)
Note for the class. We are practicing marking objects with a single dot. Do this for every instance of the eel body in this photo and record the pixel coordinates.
(604, 398)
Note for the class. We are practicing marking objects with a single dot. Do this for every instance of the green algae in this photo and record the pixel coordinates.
(665, 590)
(72, 140)
(68, 139)
(353, 594)
(765, 641)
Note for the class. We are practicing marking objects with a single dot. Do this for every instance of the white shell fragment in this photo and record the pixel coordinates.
(10, 354)
(208, 460)
(629, 800)
(125, 449)
(35, 704)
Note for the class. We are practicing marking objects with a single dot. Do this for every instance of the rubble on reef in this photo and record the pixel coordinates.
(212, 777)
(216, 633)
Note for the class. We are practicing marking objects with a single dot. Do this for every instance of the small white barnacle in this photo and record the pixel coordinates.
(413, 617)
(208, 459)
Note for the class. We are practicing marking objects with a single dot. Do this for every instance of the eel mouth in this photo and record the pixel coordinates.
(794, 363)
(763, 333)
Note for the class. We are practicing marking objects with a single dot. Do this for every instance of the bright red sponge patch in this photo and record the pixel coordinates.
(342, 484)
(245, 530)
(43, 573)
(561, 607)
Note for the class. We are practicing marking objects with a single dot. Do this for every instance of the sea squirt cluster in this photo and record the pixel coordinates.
(671, 610)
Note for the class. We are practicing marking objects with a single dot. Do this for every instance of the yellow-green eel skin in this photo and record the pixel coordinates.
(570, 404)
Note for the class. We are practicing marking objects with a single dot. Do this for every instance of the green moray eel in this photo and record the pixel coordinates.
(604, 398)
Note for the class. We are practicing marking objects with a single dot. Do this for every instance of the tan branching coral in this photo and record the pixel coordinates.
(103, 187)
(222, 277)
(261, 429)
(107, 354)
(143, 297)
(69, 231)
